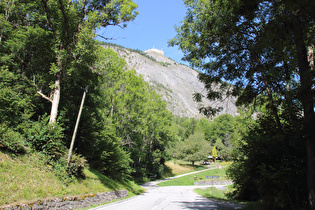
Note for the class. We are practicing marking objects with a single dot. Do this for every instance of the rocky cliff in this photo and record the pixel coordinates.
(175, 82)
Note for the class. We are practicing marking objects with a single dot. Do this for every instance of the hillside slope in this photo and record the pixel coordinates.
(175, 82)
(27, 178)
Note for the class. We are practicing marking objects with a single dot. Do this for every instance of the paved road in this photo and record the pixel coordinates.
(169, 198)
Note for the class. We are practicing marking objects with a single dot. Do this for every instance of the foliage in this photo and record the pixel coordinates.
(48, 49)
(54, 40)
(224, 132)
(15, 98)
(76, 166)
(231, 43)
(214, 152)
(194, 148)
(114, 160)
(271, 166)
(124, 125)
(11, 140)
(45, 138)
(137, 114)
(262, 52)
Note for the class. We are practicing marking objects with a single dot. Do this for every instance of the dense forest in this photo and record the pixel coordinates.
(259, 51)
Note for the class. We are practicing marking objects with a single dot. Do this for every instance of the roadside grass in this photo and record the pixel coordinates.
(27, 178)
(190, 179)
(222, 195)
(214, 193)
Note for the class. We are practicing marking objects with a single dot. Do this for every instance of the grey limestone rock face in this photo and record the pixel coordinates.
(175, 82)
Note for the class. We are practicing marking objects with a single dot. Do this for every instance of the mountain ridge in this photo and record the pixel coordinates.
(175, 82)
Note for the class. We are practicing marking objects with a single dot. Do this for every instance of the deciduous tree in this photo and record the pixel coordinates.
(260, 48)
(194, 148)
(49, 41)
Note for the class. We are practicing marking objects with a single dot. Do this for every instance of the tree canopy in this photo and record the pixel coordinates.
(52, 41)
(48, 53)
(260, 51)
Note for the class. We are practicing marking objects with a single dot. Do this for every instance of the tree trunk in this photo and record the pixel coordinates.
(306, 95)
(311, 172)
(271, 102)
(55, 100)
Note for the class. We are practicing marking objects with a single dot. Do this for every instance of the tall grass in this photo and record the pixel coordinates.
(175, 168)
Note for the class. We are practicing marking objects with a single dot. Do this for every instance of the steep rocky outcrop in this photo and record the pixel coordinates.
(175, 82)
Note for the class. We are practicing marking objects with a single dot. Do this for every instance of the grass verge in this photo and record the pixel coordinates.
(27, 178)
(221, 199)
(214, 193)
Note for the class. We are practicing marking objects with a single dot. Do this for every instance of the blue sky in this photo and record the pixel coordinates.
(154, 26)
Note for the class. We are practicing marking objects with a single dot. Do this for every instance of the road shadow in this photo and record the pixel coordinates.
(205, 204)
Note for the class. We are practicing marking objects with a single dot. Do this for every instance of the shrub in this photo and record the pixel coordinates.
(46, 138)
(11, 140)
(76, 166)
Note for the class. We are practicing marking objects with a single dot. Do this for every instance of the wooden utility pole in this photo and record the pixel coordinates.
(76, 125)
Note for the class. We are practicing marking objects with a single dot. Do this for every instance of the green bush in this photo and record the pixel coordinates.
(46, 138)
(76, 166)
(11, 140)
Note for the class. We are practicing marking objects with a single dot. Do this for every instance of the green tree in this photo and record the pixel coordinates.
(270, 166)
(49, 48)
(51, 41)
(194, 148)
(261, 48)
(137, 113)
(224, 133)
(15, 99)
(204, 125)
(190, 126)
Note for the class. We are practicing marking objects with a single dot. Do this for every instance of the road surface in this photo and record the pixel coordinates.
(169, 198)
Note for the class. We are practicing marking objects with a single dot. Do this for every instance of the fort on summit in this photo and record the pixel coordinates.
(153, 50)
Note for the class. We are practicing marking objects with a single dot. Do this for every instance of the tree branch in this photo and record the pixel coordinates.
(44, 96)
(39, 91)
(106, 38)
(49, 19)
(66, 22)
